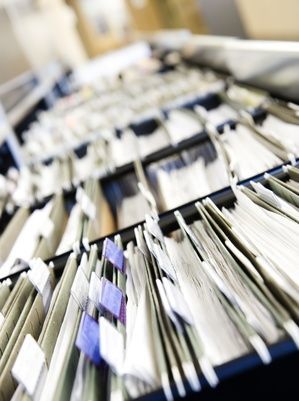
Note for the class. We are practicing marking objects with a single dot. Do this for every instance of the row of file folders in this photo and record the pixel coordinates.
(163, 311)
(101, 148)
(99, 207)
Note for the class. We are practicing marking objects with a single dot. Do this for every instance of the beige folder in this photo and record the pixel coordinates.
(32, 325)
(104, 223)
(47, 246)
(12, 295)
(11, 232)
(17, 329)
(55, 315)
(4, 294)
(14, 314)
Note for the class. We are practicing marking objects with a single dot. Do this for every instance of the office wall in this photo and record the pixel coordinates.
(32, 39)
(222, 17)
(48, 32)
(13, 59)
(270, 19)
(151, 15)
(102, 27)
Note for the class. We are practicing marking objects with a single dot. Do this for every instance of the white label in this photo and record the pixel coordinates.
(80, 289)
(266, 194)
(85, 243)
(177, 301)
(47, 228)
(154, 228)
(7, 282)
(76, 248)
(95, 289)
(39, 275)
(164, 262)
(87, 206)
(111, 345)
(29, 365)
(2, 319)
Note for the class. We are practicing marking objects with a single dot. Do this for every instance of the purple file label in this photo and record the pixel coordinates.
(111, 298)
(88, 338)
(114, 254)
(122, 315)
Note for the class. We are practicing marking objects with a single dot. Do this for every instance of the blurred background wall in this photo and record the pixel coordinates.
(270, 19)
(13, 59)
(35, 32)
(148, 15)
(222, 17)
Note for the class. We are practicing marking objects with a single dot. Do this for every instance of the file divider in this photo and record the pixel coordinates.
(247, 378)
